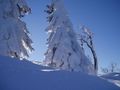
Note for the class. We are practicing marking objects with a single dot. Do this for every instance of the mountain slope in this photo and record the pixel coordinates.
(24, 75)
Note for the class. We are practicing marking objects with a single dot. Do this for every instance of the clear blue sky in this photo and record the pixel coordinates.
(101, 16)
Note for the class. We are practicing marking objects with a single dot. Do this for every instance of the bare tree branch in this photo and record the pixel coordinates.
(86, 37)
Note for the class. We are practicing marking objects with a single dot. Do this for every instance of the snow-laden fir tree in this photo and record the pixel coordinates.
(64, 52)
(14, 39)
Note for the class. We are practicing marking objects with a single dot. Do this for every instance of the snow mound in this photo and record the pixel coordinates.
(25, 75)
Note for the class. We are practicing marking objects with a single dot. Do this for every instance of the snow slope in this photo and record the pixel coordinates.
(113, 77)
(24, 75)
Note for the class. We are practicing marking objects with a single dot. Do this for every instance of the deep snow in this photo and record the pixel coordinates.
(25, 75)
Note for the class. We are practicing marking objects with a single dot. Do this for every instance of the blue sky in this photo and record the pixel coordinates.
(101, 16)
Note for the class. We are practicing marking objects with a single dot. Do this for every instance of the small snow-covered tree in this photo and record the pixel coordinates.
(14, 39)
(64, 51)
(87, 37)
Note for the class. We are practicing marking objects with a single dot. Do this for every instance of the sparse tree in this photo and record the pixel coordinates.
(105, 70)
(113, 67)
(87, 37)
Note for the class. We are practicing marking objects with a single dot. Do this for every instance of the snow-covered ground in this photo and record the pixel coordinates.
(113, 77)
(25, 75)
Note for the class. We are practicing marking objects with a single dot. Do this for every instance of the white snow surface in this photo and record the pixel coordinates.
(25, 75)
(113, 77)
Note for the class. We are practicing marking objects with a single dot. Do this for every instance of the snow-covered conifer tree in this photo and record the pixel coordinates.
(14, 39)
(64, 52)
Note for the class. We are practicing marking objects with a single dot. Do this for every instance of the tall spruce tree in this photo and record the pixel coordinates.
(64, 52)
(14, 36)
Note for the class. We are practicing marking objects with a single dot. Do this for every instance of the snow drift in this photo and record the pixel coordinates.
(113, 77)
(24, 75)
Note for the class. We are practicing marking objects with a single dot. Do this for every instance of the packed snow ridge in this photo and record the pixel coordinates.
(25, 75)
